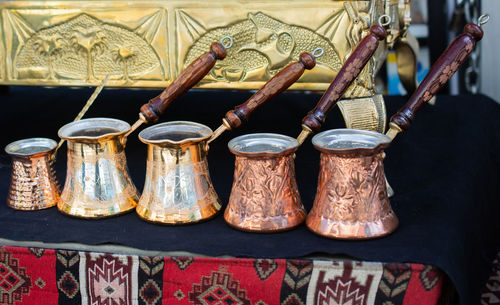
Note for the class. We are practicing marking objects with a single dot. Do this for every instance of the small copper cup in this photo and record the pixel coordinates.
(34, 184)
(351, 199)
(264, 197)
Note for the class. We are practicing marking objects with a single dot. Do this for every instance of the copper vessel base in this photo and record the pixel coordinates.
(266, 225)
(353, 230)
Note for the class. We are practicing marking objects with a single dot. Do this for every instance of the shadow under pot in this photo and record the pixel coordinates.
(97, 183)
(351, 199)
(33, 184)
(264, 197)
(178, 189)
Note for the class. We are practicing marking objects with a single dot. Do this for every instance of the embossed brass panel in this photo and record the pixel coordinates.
(148, 43)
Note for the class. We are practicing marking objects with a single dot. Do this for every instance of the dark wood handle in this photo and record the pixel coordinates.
(439, 74)
(347, 74)
(187, 79)
(279, 83)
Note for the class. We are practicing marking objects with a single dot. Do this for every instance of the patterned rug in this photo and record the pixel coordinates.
(491, 291)
(44, 276)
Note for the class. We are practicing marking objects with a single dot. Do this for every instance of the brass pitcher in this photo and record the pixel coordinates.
(178, 188)
(34, 184)
(264, 197)
(97, 181)
(351, 199)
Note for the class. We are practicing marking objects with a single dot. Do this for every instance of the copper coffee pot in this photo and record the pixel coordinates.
(34, 184)
(351, 199)
(264, 196)
(178, 189)
(97, 181)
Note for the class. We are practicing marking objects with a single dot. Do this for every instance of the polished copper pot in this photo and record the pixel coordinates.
(351, 199)
(264, 197)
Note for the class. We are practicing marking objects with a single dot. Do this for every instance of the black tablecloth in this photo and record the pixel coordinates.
(444, 170)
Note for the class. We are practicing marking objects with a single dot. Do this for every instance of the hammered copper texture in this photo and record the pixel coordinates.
(264, 196)
(34, 184)
(97, 181)
(178, 189)
(351, 199)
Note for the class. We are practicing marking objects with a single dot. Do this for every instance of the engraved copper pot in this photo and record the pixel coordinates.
(351, 199)
(97, 180)
(178, 189)
(264, 196)
(34, 184)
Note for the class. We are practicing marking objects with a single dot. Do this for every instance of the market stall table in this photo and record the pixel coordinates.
(444, 170)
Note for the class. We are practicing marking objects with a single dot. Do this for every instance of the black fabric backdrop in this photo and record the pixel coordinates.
(444, 170)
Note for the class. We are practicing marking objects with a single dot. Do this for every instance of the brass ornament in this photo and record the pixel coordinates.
(148, 43)
(407, 50)
(368, 113)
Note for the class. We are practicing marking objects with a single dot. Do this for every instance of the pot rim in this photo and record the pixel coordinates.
(49, 144)
(120, 126)
(289, 145)
(204, 131)
(363, 142)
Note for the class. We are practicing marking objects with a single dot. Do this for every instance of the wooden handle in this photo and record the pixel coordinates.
(440, 73)
(350, 70)
(187, 79)
(279, 83)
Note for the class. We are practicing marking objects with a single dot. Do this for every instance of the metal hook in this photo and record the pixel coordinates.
(227, 38)
(483, 19)
(387, 20)
(318, 52)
